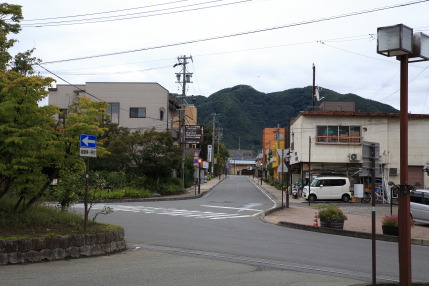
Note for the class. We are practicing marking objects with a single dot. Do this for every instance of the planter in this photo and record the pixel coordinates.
(338, 224)
(390, 230)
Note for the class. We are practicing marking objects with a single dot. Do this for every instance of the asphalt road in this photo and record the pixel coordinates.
(224, 226)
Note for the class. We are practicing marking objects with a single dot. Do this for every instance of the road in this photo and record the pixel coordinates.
(224, 226)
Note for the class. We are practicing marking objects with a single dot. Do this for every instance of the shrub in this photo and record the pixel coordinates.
(125, 193)
(331, 213)
(169, 189)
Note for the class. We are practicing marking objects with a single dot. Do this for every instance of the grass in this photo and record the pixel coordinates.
(41, 221)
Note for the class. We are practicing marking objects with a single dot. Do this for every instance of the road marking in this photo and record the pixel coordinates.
(264, 192)
(245, 208)
(177, 212)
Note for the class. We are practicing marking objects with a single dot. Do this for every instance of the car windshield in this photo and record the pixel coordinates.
(315, 183)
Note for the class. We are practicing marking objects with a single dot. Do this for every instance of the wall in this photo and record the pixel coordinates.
(60, 247)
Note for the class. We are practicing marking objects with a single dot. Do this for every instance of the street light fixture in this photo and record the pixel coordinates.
(399, 41)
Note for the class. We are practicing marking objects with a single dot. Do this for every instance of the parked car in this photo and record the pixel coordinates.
(419, 205)
(328, 188)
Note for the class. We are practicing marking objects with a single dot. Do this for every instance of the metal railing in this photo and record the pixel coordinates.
(339, 139)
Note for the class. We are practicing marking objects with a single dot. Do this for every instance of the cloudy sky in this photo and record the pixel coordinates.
(268, 44)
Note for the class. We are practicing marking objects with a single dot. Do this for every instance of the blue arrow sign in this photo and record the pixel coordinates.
(88, 141)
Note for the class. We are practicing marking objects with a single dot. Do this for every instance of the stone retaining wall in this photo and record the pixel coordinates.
(60, 247)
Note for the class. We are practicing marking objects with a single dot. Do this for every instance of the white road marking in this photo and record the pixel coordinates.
(177, 212)
(245, 208)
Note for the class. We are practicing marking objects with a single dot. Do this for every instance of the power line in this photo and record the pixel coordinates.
(245, 33)
(158, 12)
(105, 12)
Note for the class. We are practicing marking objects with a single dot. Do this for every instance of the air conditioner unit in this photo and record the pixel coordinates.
(353, 157)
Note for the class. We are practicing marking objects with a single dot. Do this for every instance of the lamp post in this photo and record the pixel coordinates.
(399, 41)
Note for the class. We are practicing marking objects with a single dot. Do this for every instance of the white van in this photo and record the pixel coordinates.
(328, 188)
(419, 205)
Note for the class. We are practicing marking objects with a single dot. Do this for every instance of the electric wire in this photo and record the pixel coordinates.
(129, 16)
(105, 12)
(307, 22)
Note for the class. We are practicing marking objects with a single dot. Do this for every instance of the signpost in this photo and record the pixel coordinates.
(88, 148)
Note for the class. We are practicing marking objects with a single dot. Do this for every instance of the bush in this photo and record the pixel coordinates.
(331, 213)
(169, 189)
(126, 192)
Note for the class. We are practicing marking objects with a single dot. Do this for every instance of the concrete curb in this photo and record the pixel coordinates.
(350, 233)
(52, 248)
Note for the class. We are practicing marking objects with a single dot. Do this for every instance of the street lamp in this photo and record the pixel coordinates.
(399, 41)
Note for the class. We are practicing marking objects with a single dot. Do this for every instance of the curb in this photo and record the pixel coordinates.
(350, 233)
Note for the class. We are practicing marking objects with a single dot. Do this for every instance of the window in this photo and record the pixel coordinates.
(137, 112)
(161, 114)
(113, 111)
(419, 197)
(338, 134)
(63, 113)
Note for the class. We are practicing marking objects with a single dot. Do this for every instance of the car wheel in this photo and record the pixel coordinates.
(312, 198)
(345, 198)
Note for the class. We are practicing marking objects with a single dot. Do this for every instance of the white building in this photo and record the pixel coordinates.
(337, 139)
(135, 105)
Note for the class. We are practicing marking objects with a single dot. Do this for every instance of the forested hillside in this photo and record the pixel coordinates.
(244, 112)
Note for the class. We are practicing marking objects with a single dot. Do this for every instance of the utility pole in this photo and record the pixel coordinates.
(213, 138)
(183, 78)
(313, 98)
(278, 158)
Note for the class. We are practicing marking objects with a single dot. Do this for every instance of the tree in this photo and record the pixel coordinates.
(25, 132)
(150, 153)
(23, 63)
(10, 16)
(34, 148)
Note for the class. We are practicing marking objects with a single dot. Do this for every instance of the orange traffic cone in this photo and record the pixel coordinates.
(315, 220)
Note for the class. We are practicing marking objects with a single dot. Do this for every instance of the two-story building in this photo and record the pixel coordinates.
(135, 105)
(331, 142)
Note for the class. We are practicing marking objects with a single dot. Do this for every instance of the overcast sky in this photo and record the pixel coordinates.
(268, 44)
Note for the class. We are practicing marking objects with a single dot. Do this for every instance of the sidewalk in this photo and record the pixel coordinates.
(301, 215)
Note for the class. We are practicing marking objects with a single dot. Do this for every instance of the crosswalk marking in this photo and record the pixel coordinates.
(179, 212)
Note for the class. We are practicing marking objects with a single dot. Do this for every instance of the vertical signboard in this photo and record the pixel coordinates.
(209, 153)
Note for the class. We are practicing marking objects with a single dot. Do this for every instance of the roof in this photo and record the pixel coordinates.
(356, 114)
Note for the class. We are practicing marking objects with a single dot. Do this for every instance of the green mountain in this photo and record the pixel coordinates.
(244, 112)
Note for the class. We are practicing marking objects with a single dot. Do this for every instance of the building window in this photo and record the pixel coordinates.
(62, 114)
(161, 114)
(338, 134)
(137, 112)
(113, 111)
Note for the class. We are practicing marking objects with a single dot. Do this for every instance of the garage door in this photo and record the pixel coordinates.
(416, 176)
